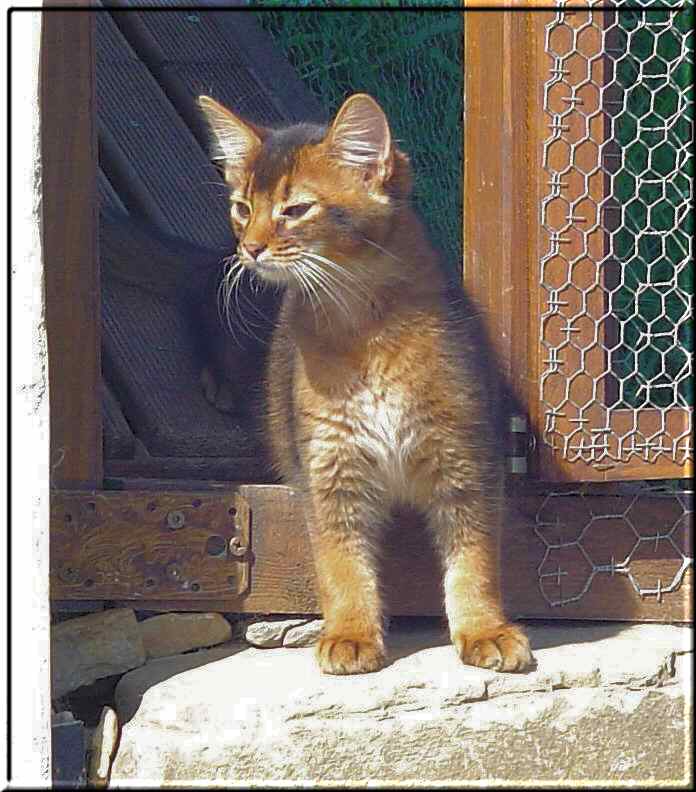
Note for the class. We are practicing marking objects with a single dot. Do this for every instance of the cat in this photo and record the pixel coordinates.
(376, 393)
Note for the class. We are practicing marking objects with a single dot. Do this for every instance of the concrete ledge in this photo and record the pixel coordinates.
(607, 702)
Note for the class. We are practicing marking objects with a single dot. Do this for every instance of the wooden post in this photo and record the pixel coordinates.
(70, 229)
(500, 237)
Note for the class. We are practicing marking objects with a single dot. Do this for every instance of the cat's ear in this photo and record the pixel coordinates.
(360, 137)
(236, 141)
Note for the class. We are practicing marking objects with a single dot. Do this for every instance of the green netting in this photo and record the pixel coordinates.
(411, 63)
(655, 128)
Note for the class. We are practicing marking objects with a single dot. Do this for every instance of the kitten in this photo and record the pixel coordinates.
(376, 392)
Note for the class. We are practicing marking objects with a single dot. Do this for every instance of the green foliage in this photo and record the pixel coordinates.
(412, 64)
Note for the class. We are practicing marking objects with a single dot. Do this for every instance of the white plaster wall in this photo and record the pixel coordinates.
(29, 649)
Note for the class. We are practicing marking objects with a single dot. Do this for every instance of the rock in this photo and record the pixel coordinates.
(269, 634)
(173, 633)
(90, 647)
(65, 716)
(130, 690)
(103, 747)
(304, 634)
(237, 714)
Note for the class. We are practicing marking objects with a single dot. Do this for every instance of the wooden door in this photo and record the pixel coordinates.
(548, 133)
(585, 280)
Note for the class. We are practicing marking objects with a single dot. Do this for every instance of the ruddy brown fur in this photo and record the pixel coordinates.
(376, 391)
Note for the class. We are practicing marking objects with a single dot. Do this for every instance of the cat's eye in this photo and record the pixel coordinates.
(241, 210)
(297, 210)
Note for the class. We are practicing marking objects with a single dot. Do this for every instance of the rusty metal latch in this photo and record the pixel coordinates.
(143, 544)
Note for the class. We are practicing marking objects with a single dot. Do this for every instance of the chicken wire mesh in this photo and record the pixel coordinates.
(616, 276)
(617, 291)
(641, 532)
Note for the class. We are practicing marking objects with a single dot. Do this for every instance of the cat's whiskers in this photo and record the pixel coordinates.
(237, 265)
(339, 289)
(247, 322)
(310, 274)
(309, 291)
(233, 291)
(344, 274)
(379, 247)
(322, 282)
(223, 293)
(229, 286)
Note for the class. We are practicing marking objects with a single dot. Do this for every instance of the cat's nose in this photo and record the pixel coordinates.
(254, 249)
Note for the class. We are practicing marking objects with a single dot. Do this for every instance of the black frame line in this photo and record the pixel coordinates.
(213, 6)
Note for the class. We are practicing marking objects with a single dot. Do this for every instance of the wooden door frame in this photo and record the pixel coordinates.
(498, 229)
(71, 245)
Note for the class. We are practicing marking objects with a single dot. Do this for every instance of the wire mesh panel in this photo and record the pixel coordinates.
(591, 539)
(615, 273)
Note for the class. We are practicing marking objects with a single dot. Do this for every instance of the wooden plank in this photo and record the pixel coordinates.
(70, 247)
(222, 54)
(283, 573)
(546, 544)
(131, 545)
(148, 153)
(565, 538)
(496, 185)
(248, 469)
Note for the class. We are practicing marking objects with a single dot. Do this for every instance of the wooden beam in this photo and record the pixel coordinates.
(498, 246)
(119, 546)
(70, 207)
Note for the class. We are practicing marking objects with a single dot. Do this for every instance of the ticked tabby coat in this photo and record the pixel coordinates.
(376, 392)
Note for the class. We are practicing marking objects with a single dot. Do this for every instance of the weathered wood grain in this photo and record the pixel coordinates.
(131, 545)
(70, 246)
(651, 532)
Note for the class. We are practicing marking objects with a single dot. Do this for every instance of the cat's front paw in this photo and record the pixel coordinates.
(339, 655)
(504, 647)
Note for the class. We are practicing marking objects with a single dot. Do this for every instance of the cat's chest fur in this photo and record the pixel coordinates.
(378, 413)
(370, 423)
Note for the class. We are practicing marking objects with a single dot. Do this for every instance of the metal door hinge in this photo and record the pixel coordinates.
(149, 544)
(521, 442)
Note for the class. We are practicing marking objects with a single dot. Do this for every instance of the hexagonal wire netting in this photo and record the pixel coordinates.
(617, 284)
(616, 274)
(642, 532)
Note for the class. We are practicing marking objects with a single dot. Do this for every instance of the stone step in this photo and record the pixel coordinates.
(606, 702)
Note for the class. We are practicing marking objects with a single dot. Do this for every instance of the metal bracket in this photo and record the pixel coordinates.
(149, 544)
(521, 443)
